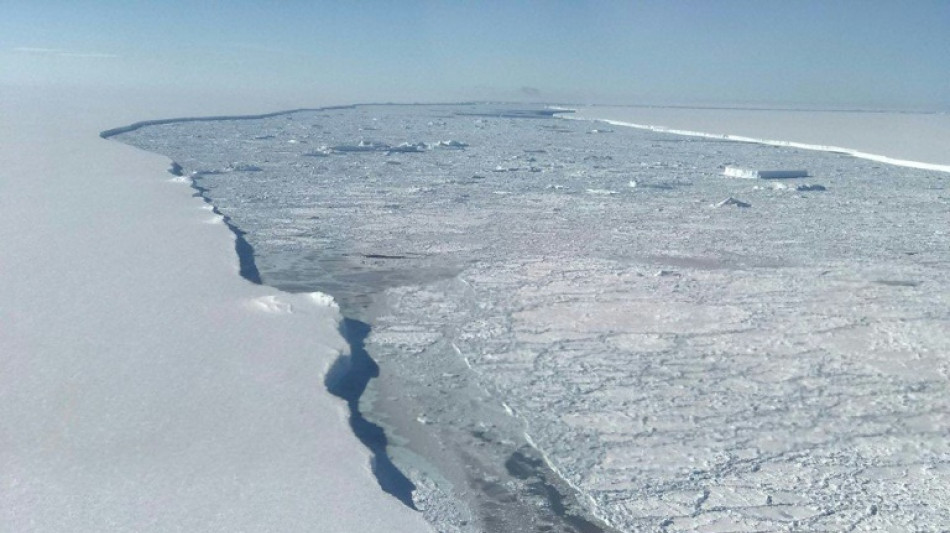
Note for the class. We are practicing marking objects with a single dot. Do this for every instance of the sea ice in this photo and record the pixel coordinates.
(788, 369)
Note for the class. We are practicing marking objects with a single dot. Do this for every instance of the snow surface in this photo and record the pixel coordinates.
(917, 140)
(144, 386)
(574, 302)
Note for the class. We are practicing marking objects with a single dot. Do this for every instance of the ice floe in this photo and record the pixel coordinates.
(733, 202)
(739, 172)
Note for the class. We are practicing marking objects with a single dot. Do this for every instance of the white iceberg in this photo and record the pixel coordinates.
(738, 172)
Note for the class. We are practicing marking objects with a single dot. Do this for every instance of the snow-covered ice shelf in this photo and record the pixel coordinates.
(144, 386)
(915, 140)
(547, 293)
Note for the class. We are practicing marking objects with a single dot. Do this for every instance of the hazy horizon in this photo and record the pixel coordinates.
(845, 55)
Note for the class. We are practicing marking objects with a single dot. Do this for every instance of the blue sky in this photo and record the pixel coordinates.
(818, 53)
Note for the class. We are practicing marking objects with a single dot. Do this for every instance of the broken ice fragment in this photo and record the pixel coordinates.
(738, 172)
(733, 201)
(362, 146)
(451, 144)
(407, 148)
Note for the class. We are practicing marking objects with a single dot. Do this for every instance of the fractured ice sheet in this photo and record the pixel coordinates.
(784, 386)
(779, 367)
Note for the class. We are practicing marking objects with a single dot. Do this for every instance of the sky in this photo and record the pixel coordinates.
(842, 54)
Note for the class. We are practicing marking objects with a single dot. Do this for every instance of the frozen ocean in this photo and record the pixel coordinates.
(587, 327)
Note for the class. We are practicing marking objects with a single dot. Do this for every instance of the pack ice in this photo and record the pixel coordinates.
(577, 299)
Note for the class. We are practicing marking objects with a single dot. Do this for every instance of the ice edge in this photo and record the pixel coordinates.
(349, 374)
(247, 267)
(772, 142)
(347, 379)
(105, 134)
(158, 122)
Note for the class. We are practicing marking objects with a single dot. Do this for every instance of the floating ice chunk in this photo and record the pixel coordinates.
(451, 144)
(362, 146)
(323, 151)
(243, 167)
(408, 148)
(210, 172)
(632, 184)
(733, 201)
(801, 188)
(738, 172)
(606, 192)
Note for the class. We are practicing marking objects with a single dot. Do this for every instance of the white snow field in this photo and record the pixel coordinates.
(591, 329)
(144, 386)
(912, 139)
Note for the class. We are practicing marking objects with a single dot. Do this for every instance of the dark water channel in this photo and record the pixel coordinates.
(348, 379)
